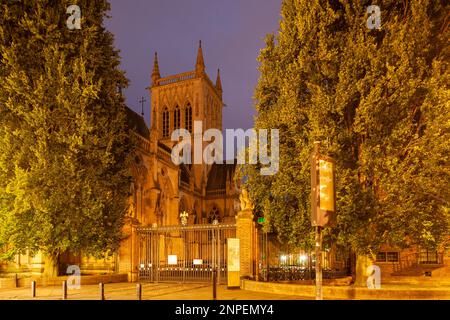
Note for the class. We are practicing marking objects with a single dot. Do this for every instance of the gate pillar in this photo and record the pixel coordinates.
(128, 257)
(245, 232)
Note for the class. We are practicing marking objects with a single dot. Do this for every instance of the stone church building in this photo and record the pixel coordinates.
(162, 190)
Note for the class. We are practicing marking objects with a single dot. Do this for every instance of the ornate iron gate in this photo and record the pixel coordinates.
(184, 253)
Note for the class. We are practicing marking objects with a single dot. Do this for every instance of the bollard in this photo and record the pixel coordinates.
(16, 280)
(102, 291)
(64, 289)
(33, 289)
(139, 291)
(214, 284)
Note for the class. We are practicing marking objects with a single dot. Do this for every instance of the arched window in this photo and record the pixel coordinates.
(214, 214)
(165, 123)
(176, 118)
(188, 117)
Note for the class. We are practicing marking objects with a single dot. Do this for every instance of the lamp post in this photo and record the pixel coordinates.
(184, 220)
(323, 195)
(215, 223)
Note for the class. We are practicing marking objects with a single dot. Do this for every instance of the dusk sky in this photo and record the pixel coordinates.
(232, 34)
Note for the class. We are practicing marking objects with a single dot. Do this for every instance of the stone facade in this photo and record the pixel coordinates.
(161, 189)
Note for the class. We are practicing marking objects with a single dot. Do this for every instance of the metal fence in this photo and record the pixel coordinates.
(283, 263)
(184, 253)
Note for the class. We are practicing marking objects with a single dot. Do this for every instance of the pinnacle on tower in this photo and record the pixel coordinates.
(219, 84)
(155, 73)
(200, 65)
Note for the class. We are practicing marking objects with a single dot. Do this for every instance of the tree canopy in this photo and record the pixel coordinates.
(378, 100)
(64, 179)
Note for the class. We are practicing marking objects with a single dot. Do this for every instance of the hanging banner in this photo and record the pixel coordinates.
(323, 191)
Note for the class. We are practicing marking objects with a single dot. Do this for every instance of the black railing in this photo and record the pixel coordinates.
(294, 273)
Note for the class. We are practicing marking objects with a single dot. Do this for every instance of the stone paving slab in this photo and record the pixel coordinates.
(150, 291)
(178, 291)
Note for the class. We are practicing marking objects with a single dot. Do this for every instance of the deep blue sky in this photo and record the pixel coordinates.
(232, 33)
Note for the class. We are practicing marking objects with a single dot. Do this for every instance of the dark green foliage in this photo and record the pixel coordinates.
(63, 140)
(379, 102)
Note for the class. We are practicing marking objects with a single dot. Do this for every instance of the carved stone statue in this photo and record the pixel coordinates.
(246, 203)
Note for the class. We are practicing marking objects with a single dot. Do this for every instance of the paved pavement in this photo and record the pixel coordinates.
(174, 291)
(150, 291)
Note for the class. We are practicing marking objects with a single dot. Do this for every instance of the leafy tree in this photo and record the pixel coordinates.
(379, 102)
(63, 140)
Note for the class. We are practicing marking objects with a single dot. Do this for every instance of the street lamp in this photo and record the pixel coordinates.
(215, 257)
(323, 199)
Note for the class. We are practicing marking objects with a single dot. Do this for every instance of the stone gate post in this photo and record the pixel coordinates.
(245, 233)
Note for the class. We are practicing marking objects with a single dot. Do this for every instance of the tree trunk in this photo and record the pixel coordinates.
(51, 266)
(362, 262)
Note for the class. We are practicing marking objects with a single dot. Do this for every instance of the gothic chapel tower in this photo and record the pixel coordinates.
(176, 102)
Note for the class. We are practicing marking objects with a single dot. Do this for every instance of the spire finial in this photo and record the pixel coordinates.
(200, 65)
(219, 84)
(155, 74)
